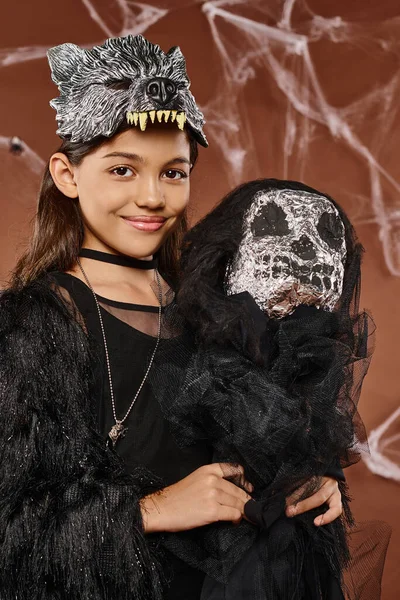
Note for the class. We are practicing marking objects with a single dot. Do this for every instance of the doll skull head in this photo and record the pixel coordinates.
(292, 252)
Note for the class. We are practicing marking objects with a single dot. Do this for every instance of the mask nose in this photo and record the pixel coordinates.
(161, 90)
(304, 248)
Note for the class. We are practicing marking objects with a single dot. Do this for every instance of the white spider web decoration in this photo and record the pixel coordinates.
(384, 448)
(284, 57)
(272, 48)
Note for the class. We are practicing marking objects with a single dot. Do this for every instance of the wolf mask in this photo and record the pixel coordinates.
(124, 78)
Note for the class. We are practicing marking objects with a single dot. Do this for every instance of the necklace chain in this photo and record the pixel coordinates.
(118, 430)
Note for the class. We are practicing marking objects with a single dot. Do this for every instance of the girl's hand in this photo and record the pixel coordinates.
(203, 497)
(328, 493)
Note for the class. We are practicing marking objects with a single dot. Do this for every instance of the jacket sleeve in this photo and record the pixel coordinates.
(70, 519)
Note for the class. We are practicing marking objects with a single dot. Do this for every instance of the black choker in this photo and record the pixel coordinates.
(119, 259)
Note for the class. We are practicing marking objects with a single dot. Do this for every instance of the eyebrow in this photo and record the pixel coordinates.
(179, 159)
(128, 155)
(140, 159)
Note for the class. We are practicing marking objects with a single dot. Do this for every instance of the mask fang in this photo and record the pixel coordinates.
(181, 120)
(135, 118)
(143, 117)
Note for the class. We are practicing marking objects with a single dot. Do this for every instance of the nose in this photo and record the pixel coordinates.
(161, 90)
(304, 248)
(149, 193)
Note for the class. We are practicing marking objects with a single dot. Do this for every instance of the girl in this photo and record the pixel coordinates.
(85, 449)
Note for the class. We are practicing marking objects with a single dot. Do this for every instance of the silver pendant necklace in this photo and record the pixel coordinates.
(118, 430)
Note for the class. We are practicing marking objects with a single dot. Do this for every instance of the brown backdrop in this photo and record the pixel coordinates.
(291, 89)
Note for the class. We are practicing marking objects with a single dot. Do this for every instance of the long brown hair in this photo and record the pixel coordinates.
(58, 226)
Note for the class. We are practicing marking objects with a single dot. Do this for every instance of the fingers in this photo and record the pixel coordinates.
(233, 490)
(233, 472)
(227, 497)
(229, 500)
(224, 469)
(329, 493)
(293, 499)
(317, 499)
(334, 511)
(227, 513)
(328, 487)
(248, 486)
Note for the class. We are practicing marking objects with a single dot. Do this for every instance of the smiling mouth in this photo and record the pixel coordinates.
(141, 118)
(145, 223)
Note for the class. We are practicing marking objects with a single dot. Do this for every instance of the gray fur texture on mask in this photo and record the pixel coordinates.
(98, 87)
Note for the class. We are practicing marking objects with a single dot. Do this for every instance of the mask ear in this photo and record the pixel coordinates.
(64, 61)
(175, 54)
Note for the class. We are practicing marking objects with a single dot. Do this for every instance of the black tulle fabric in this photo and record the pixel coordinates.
(278, 397)
(286, 421)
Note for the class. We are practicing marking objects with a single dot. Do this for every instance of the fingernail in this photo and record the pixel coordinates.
(291, 511)
(318, 521)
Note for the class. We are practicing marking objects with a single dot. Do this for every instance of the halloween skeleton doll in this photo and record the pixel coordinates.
(270, 284)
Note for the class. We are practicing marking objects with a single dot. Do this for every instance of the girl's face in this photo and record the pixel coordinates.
(134, 189)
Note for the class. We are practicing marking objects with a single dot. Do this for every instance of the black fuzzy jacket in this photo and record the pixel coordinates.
(70, 521)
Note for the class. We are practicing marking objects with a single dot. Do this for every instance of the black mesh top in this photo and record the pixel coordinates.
(131, 336)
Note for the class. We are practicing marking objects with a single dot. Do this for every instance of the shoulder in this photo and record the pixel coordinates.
(41, 340)
(39, 306)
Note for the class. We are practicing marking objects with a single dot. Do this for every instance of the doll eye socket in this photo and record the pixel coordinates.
(331, 230)
(270, 221)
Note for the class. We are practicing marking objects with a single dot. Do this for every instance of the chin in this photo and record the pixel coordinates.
(147, 247)
(142, 253)
(141, 246)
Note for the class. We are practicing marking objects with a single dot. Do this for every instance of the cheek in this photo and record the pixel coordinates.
(175, 205)
(98, 198)
(176, 198)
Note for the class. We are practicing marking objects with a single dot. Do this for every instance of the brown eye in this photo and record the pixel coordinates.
(122, 171)
(174, 174)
